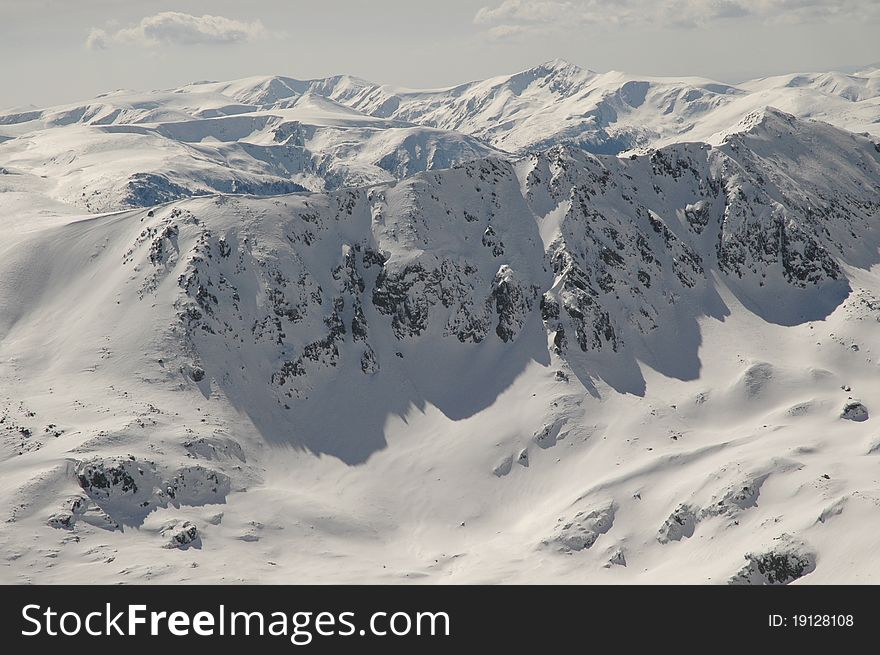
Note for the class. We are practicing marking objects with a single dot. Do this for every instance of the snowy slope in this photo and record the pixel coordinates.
(565, 368)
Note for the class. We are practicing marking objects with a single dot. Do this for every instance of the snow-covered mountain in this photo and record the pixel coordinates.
(130, 149)
(271, 135)
(601, 112)
(556, 366)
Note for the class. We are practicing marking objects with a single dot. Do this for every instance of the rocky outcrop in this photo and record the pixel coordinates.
(787, 561)
(181, 534)
(680, 524)
(128, 488)
(583, 529)
(854, 411)
(513, 301)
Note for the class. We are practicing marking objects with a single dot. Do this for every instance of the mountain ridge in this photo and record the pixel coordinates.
(218, 136)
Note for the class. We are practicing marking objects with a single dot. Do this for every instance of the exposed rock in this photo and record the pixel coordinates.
(62, 519)
(491, 241)
(854, 411)
(108, 478)
(779, 565)
(503, 467)
(369, 362)
(618, 558)
(196, 485)
(737, 498)
(82, 508)
(512, 303)
(680, 524)
(582, 531)
(71, 509)
(127, 489)
(547, 436)
(181, 534)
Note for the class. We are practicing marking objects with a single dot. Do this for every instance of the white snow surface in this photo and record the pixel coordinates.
(474, 352)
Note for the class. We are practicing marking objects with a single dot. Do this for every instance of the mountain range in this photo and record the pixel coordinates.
(271, 135)
(557, 326)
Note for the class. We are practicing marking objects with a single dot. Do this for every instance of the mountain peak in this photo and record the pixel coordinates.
(559, 65)
(764, 118)
(563, 77)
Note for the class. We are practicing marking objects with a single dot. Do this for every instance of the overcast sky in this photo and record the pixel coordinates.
(57, 51)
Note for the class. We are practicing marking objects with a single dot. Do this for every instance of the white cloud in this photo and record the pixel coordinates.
(97, 39)
(504, 31)
(175, 28)
(523, 10)
(516, 17)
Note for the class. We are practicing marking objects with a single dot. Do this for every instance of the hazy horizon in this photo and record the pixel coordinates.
(98, 46)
